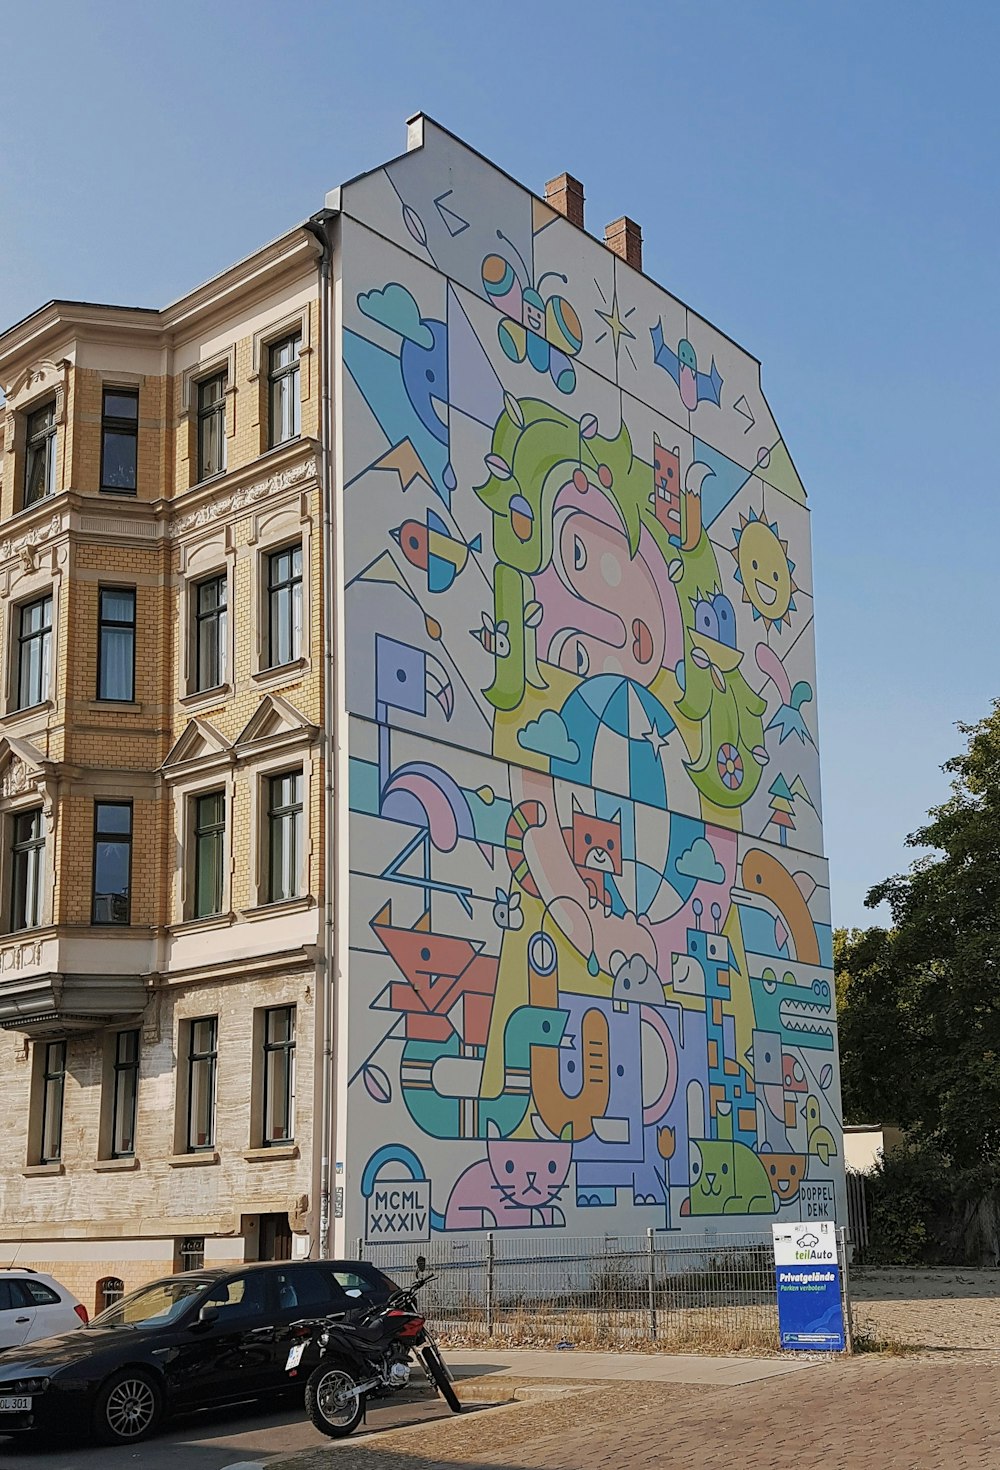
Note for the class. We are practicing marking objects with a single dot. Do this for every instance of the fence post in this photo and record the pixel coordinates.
(651, 1279)
(489, 1283)
(361, 1249)
(845, 1289)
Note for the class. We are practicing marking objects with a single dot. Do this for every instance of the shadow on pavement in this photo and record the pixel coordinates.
(210, 1439)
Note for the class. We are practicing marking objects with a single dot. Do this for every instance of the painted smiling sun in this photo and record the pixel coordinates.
(764, 569)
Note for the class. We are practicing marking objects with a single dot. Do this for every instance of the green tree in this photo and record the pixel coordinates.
(920, 1003)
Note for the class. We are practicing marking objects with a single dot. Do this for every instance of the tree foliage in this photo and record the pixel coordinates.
(919, 1003)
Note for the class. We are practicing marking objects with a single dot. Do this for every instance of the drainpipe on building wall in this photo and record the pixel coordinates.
(318, 227)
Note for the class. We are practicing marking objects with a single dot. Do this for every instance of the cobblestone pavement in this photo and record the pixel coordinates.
(928, 1307)
(896, 1413)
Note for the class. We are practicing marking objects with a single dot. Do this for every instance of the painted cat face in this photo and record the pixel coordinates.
(597, 843)
(529, 1173)
(712, 1167)
(786, 1173)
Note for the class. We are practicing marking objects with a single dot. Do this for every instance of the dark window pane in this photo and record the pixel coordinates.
(37, 1294)
(112, 863)
(210, 633)
(116, 653)
(211, 391)
(126, 1094)
(201, 1084)
(279, 1074)
(241, 1296)
(41, 420)
(306, 1284)
(27, 870)
(119, 440)
(209, 834)
(284, 389)
(53, 1083)
(285, 837)
(34, 652)
(285, 606)
(119, 461)
(40, 455)
(114, 816)
(121, 405)
(211, 426)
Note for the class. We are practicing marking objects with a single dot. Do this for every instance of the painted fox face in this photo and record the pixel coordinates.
(597, 843)
(786, 1173)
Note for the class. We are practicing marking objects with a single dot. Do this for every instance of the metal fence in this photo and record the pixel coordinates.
(857, 1212)
(714, 1291)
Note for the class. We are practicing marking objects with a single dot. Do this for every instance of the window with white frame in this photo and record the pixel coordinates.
(210, 618)
(208, 824)
(125, 1095)
(283, 389)
(27, 868)
(284, 836)
(53, 1088)
(202, 1064)
(279, 1075)
(284, 606)
(40, 453)
(34, 651)
(211, 394)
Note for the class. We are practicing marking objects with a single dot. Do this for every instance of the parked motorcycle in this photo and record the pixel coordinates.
(368, 1356)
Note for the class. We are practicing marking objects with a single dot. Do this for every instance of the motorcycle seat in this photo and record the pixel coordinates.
(367, 1333)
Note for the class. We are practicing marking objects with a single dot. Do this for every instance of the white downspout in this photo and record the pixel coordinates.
(324, 1133)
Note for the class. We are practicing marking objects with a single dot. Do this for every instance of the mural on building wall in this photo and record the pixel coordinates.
(590, 983)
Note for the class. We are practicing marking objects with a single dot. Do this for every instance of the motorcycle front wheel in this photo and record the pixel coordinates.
(439, 1374)
(331, 1402)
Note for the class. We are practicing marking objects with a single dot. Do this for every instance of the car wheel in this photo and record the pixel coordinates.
(128, 1407)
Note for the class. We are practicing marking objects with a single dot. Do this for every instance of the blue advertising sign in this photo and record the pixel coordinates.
(810, 1308)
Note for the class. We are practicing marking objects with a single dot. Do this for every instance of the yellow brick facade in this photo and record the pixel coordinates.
(86, 1216)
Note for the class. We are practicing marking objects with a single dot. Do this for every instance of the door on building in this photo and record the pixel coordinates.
(274, 1238)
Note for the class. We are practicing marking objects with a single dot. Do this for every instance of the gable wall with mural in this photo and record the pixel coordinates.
(589, 985)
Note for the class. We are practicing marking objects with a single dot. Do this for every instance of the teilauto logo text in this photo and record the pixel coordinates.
(806, 1249)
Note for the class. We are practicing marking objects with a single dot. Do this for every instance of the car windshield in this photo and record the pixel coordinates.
(154, 1305)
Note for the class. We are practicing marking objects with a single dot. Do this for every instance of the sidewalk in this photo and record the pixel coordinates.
(573, 1366)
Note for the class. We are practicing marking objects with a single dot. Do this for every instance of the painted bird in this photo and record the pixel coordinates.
(821, 1140)
(434, 550)
(695, 386)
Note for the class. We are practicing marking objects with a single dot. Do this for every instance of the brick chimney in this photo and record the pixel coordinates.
(566, 195)
(624, 237)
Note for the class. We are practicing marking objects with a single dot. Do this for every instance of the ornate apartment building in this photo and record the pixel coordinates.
(410, 818)
(161, 776)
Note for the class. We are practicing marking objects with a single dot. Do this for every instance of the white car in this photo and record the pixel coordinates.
(33, 1305)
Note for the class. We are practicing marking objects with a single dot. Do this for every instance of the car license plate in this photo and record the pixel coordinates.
(10, 1405)
(294, 1357)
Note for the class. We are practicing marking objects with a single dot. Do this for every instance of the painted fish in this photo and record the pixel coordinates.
(434, 550)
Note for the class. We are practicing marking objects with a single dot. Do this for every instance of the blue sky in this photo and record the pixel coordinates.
(820, 180)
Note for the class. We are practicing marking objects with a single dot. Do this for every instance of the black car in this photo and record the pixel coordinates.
(184, 1342)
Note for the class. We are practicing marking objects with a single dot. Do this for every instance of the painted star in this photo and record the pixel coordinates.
(615, 324)
(656, 740)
